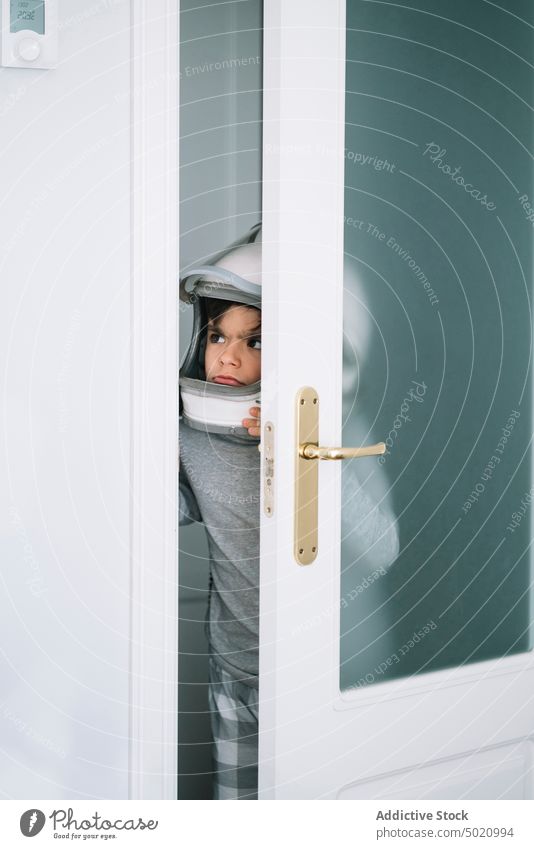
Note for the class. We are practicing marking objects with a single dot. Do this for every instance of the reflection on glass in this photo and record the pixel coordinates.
(220, 200)
(437, 342)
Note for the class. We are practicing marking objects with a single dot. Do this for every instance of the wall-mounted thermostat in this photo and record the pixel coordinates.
(29, 33)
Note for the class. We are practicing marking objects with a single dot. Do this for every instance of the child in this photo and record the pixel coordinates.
(220, 486)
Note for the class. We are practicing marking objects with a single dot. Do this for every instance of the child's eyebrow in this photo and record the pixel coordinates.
(216, 328)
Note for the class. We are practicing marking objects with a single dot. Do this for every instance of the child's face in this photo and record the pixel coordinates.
(233, 347)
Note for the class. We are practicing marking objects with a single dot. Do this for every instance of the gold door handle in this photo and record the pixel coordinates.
(308, 452)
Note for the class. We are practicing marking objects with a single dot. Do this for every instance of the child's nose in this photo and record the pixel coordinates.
(229, 355)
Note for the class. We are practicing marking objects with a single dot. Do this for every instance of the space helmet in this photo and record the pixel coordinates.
(234, 274)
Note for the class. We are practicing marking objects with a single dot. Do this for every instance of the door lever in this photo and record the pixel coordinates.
(310, 451)
(307, 454)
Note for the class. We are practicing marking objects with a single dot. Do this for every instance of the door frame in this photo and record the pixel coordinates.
(154, 424)
(153, 639)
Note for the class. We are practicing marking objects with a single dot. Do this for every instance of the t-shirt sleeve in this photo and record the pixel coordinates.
(188, 505)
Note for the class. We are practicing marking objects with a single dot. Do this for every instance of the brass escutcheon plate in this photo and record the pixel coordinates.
(306, 477)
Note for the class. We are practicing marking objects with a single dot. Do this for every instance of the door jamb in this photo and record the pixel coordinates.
(153, 689)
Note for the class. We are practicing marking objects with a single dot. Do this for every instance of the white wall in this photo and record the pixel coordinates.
(64, 368)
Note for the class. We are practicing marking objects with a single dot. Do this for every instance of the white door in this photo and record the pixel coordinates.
(397, 663)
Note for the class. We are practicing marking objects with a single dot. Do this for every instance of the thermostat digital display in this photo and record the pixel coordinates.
(27, 14)
(29, 33)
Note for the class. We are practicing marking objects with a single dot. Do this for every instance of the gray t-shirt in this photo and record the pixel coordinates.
(220, 486)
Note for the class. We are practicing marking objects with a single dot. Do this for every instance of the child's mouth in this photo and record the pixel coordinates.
(231, 381)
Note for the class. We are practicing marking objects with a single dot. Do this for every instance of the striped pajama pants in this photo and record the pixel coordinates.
(234, 723)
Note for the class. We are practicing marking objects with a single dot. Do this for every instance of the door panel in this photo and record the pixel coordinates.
(498, 773)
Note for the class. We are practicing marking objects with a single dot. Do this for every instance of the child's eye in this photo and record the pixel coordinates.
(213, 337)
(255, 342)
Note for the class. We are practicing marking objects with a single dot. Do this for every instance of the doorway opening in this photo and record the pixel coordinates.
(220, 200)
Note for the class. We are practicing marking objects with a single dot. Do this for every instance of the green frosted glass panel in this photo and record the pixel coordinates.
(438, 336)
